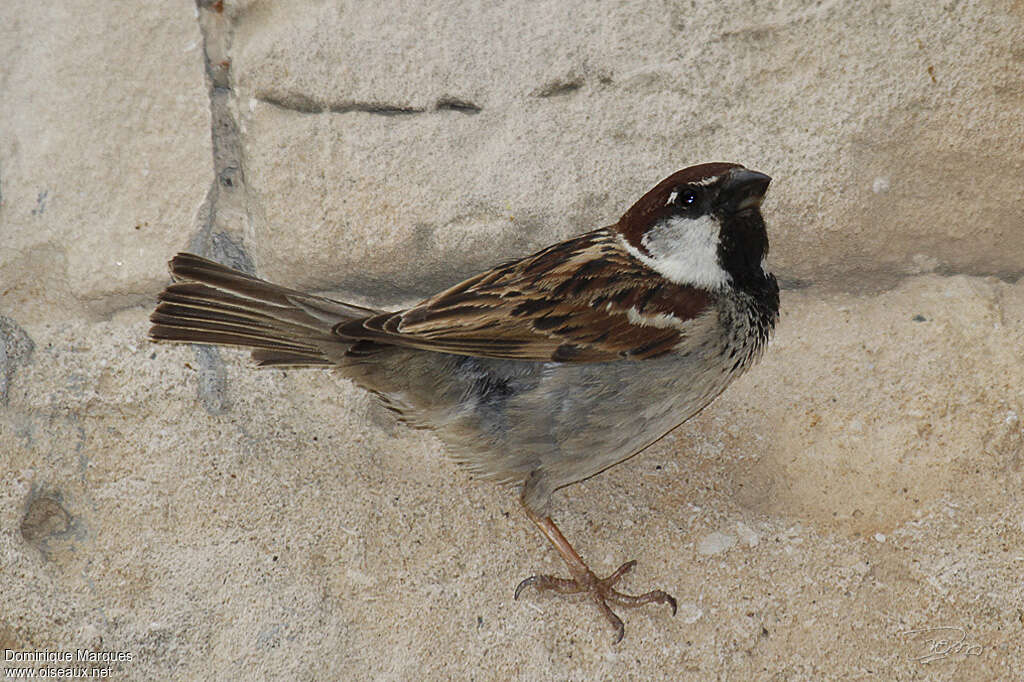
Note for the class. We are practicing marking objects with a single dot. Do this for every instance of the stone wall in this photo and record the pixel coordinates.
(861, 485)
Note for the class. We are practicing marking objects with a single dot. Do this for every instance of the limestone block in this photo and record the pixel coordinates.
(104, 152)
(395, 147)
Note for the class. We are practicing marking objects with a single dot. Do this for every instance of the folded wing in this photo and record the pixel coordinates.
(583, 300)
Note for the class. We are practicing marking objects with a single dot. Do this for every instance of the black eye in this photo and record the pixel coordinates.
(686, 197)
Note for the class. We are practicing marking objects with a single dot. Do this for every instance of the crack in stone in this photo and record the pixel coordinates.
(295, 102)
(793, 283)
(379, 109)
(455, 104)
(224, 215)
(16, 348)
(1007, 276)
(559, 87)
(304, 104)
(878, 281)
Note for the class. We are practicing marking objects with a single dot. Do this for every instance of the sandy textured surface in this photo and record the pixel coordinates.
(850, 509)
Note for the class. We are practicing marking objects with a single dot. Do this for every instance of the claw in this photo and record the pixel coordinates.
(523, 585)
(616, 622)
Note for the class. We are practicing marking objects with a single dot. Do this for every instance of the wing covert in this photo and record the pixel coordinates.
(582, 300)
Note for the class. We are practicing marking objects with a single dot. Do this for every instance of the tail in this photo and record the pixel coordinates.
(211, 303)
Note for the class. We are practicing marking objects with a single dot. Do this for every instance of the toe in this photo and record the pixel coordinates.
(616, 622)
(619, 572)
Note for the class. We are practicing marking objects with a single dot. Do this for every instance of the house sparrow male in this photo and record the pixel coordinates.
(543, 371)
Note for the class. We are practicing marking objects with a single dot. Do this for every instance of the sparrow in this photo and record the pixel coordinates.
(542, 371)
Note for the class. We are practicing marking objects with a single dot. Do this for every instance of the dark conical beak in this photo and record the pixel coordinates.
(742, 189)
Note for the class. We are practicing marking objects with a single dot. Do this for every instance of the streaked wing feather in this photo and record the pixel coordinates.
(583, 300)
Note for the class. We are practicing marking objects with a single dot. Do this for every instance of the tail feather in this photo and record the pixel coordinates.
(194, 300)
(211, 303)
(259, 333)
(273, 358)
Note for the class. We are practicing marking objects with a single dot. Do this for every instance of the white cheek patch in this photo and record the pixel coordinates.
(684, 251)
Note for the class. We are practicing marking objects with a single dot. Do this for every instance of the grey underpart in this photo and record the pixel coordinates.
(545, 425)
(16, 349)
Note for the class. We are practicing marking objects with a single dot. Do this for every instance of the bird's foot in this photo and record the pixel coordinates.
(601, 591)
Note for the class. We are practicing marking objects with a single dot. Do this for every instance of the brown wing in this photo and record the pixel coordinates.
(583, 300)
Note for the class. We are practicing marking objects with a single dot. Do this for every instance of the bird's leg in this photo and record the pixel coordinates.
(583, 580)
